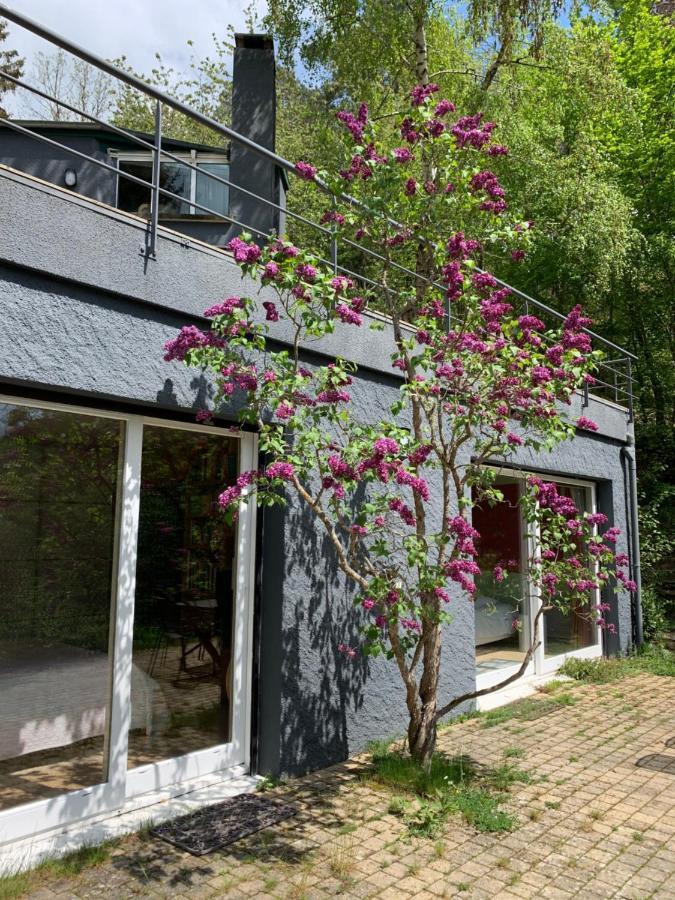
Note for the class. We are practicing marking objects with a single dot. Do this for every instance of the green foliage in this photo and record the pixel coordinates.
(427, 796)
(657, 545)
(12, 886)
(525, 710)
(503, 777)
(69, 866)
(207, 87)
(651, 659)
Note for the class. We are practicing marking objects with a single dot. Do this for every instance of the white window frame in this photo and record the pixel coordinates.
(540, 664)
(123, 785)
(194, 157)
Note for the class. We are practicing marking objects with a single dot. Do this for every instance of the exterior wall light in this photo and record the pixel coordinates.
(70, 178)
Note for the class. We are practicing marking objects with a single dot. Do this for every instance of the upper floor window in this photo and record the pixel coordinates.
(196, 194)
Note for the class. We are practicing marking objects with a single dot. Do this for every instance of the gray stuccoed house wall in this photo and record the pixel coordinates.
(85, 318)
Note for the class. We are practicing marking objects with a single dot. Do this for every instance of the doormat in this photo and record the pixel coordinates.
(659, 762)
(223, 823)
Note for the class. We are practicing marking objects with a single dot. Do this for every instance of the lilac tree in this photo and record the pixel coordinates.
(477, 381)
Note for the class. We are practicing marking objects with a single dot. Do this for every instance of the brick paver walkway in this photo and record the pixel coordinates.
(592, 824)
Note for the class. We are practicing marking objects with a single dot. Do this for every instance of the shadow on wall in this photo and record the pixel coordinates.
(201, 389)
(322, 687)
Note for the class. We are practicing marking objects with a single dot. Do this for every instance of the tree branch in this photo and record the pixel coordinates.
(471, 72)
(472, 695)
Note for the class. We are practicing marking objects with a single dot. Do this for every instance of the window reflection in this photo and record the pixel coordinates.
(184, 595)
(135, 198)
(573, 629)
(58, 495)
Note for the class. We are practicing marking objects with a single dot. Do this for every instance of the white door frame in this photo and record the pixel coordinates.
(540, 664)
(122, 785)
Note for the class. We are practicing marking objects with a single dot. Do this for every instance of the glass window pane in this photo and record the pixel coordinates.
(184, 596)
(58, 497)
(210, 193)
(573, 629)
(135, 198)
(131, 196)
(174, 177)
(502, 608)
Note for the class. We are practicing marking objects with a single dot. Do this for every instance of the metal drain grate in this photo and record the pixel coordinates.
(659, 762)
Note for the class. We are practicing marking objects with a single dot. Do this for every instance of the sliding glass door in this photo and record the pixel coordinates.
(125, 613)
(506, 602)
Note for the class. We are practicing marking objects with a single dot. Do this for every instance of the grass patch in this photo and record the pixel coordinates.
(68, 866)
(341, 862)
(16, 885)
(426, 798)
(514, 753)
(268, 783)
(526, 710)
(504, 776)
(651, 658)
(552, 686)
(481, 809)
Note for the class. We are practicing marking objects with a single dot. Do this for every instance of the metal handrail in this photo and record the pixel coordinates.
(159, 153)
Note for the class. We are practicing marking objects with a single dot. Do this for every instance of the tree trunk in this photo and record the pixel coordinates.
(422, 737)
(424, 253)
(423, 719)
(492, 69)
(421, 55)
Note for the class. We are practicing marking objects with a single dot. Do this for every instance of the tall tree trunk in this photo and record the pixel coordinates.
(421, 53)
(422, 740)
(424, 253)
(493, 68)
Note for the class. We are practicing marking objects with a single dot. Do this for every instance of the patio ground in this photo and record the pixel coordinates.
(590, 822)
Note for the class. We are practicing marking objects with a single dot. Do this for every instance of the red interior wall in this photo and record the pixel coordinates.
(499, 526)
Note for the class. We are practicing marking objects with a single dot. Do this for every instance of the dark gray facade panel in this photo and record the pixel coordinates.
(49, 163)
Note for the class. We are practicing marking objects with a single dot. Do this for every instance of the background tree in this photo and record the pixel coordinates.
(11, 62)
(68, 78)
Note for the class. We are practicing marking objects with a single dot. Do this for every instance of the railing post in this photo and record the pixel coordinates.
(629, 385)
(154, 196)
(334, 240)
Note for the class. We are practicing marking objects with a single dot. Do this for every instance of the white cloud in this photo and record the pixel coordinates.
(136, 29)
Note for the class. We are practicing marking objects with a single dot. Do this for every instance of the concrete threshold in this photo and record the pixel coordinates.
(138, 813)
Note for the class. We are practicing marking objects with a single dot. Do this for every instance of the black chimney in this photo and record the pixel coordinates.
(254, 117)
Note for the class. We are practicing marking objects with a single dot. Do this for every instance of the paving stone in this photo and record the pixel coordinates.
(586, 849)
